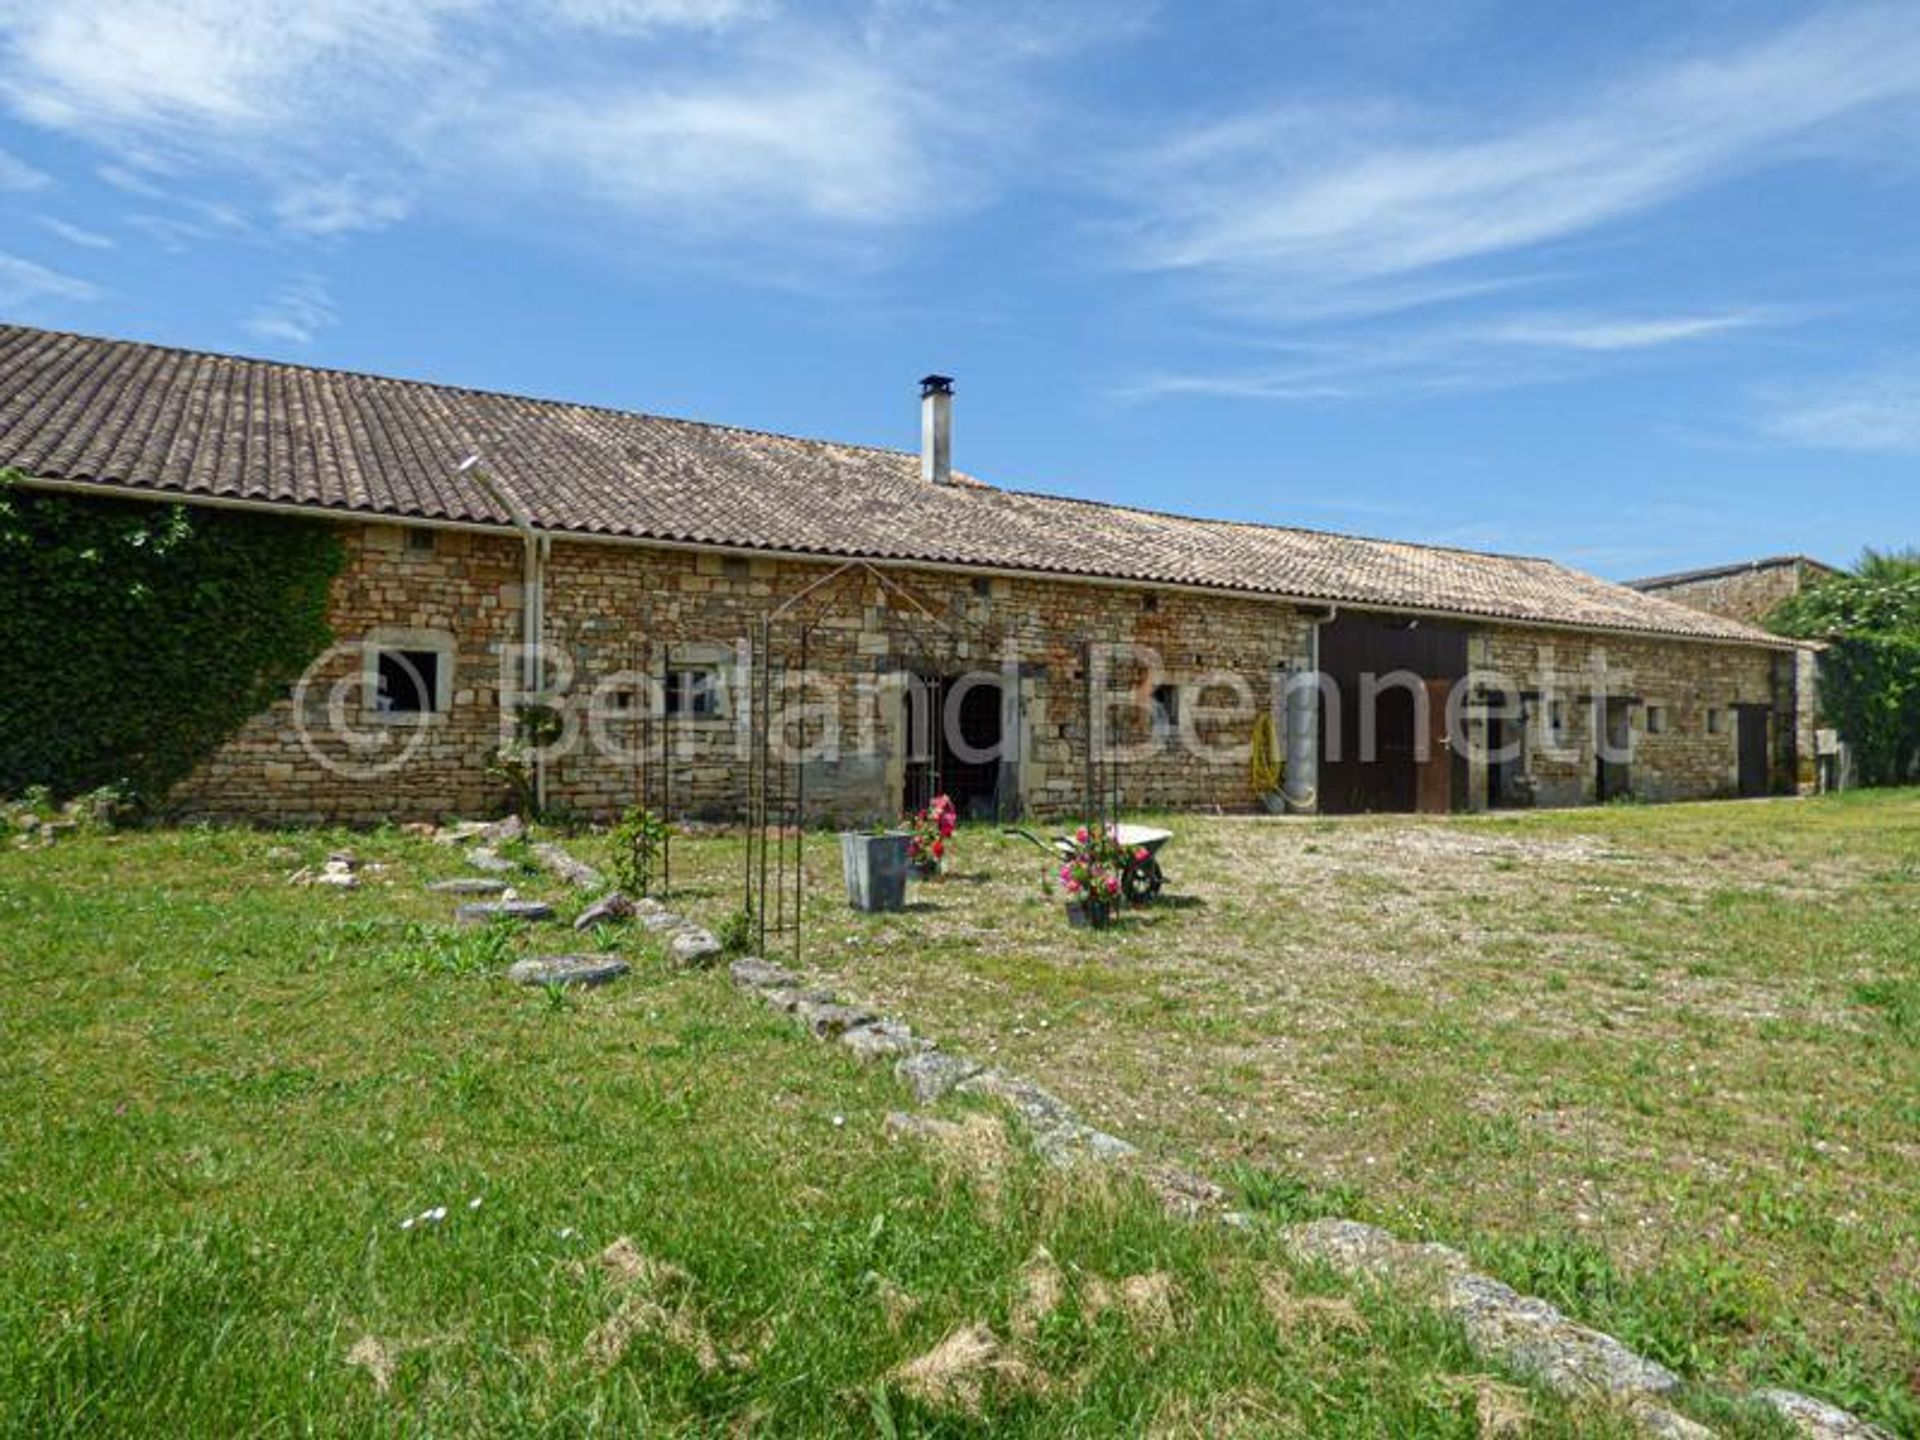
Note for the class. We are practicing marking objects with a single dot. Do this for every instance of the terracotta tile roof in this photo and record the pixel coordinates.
(146, 418)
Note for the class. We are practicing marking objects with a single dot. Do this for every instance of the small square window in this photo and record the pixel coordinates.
(620, 699)
(1150, 603)
(1716, 722)
(420, 539)
(407, 681)
(1557, 717)
(982, 587)
(694, 693)
(736, 567)
(1656, 719)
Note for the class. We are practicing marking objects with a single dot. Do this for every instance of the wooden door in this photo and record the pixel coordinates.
(1754, 767)
(1434, 786)
(1615, 776)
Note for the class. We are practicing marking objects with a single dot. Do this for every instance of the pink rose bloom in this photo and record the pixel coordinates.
(1081, 835)
(1073, 887)
(1143, 854)
(1113, 886)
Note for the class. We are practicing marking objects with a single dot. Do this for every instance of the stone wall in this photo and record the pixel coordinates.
(1685, 681)
(1750, 594)
(620, 616)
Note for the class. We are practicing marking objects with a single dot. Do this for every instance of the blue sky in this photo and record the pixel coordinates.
(1634, 285)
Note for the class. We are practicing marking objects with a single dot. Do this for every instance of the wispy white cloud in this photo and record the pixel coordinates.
(297, 313)
(1528, 349)
(644, 16)
(1340, 199)
(130, 181)
(337, 207)
(17, 174)
(700, 119)
(152, 66)
(76, 234)
(24, 284)
(1595, 333)
(828, 144)
(1878, 411)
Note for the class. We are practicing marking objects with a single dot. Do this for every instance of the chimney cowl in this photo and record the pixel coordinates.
(936, 429)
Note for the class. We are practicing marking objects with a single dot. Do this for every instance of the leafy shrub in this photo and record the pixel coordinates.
(1870, 670)
(639, 842)
(736, 933)
(535, 727)
(135, 638)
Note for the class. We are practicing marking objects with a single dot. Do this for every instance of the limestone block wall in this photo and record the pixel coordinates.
(464, 590)
(1686, 680)
(619, 617)
(1748, 595)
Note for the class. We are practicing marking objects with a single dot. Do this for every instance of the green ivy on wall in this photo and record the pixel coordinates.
(136, 637)
(1870, 670)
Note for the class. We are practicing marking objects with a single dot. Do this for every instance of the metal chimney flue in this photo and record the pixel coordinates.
(936, 429)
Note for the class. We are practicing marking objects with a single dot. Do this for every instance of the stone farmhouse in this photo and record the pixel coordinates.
(647, 577)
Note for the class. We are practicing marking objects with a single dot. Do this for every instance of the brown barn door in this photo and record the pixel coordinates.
(1435, 778)
(1753, 750)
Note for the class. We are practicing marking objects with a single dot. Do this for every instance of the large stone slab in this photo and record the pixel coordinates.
(575, 872)
(607, 910)
(490, 832)
(1816, 1419)
(882, 1040)
(558, 970)
(483, 857)
(694, 949)
(1040, 1108)
(1537, 1340)
(829, 1019)
(933, 1074)
(752, 973)
(1071, 1142)
(788, 999)
(486, 912)
(468, 885)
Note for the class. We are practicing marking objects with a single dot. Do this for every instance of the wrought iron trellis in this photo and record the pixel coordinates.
(1100, 794)
(775, 884)
(654, 788)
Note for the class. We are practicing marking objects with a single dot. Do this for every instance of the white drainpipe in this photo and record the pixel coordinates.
(533, 599)
(1303, 725)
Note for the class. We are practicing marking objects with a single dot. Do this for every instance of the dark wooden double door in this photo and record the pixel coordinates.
(1412, 766)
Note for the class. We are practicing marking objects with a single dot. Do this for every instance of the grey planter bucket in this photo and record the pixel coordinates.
(876, 867)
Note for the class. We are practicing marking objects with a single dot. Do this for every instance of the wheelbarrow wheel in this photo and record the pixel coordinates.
(1142, 880)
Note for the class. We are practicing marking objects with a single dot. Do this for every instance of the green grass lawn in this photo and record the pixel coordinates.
(665, 1211)
(1659, 1064)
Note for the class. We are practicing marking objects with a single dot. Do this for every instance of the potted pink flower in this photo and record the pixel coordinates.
(931, 830)
(1090, 878)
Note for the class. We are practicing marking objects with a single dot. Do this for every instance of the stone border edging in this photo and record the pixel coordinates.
(1527, 1334)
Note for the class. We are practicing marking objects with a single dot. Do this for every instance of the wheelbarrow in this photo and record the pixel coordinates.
(1142, 878)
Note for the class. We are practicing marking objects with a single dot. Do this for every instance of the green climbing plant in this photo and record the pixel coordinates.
(1869, 623)
(136, 637)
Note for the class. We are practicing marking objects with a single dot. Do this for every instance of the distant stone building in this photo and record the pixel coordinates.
(661, 583)
(1747, 591)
